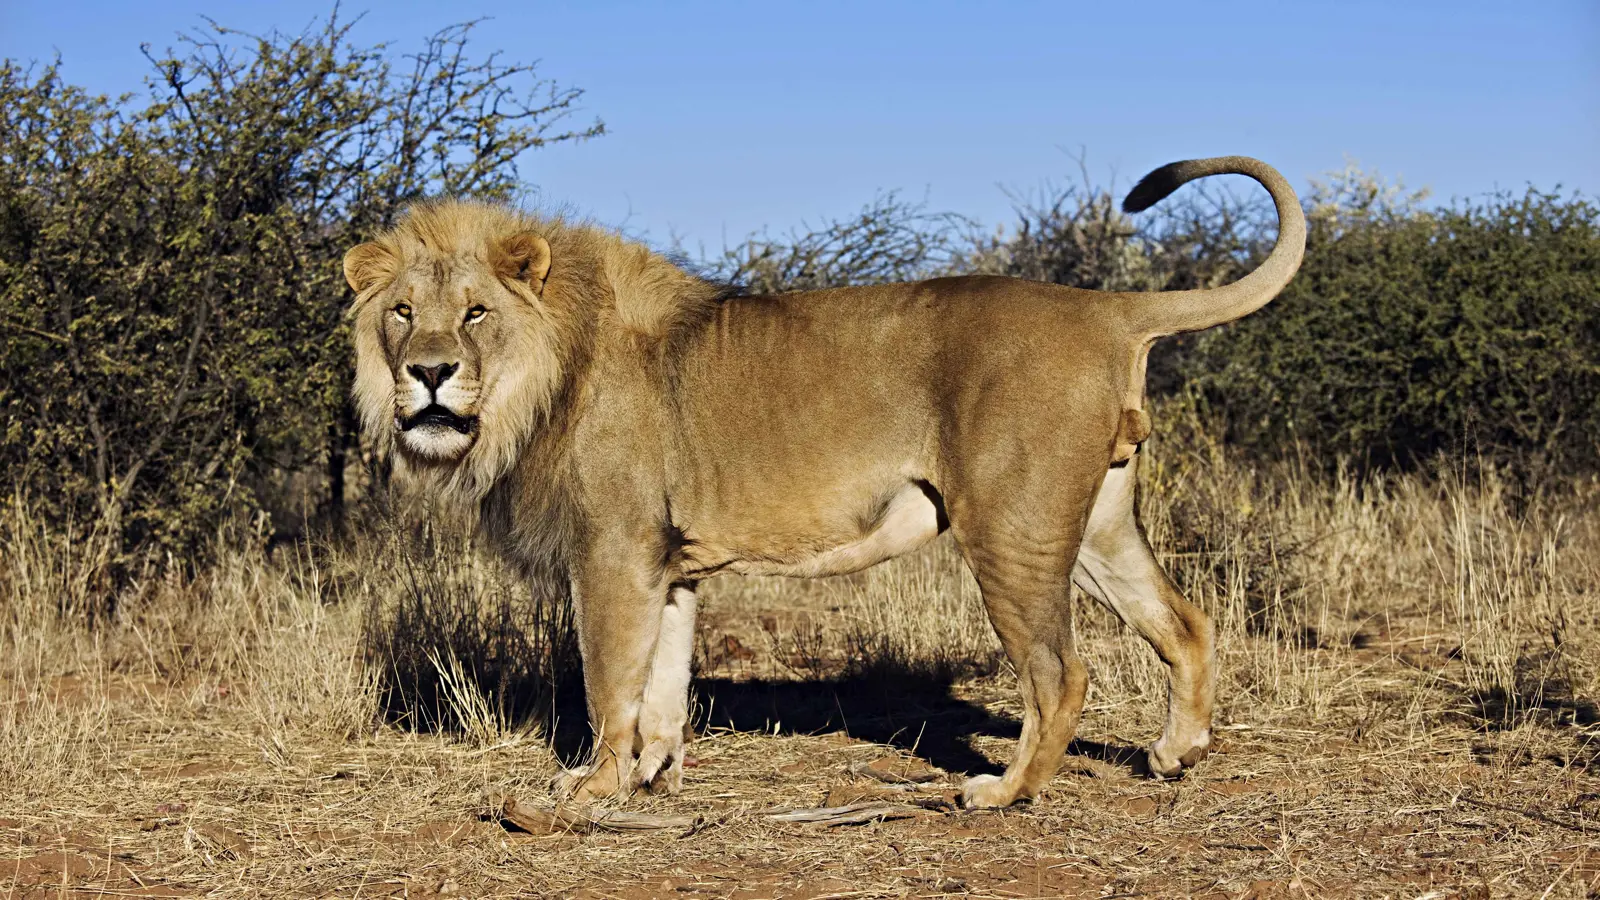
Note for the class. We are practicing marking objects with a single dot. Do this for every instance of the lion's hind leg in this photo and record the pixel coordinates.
(1021, 556)
(1117, 567)
(1027, 603)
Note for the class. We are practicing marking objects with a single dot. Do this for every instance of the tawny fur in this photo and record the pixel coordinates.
(613, 421)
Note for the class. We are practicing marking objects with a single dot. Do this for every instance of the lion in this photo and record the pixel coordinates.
(612, 419)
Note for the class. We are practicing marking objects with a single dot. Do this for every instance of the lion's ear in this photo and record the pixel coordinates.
(524, 257)
(368, 265)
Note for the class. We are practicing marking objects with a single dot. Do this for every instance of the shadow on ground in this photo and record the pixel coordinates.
(916, 713)
(920, 715)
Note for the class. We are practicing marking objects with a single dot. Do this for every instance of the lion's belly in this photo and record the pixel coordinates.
(909, 520)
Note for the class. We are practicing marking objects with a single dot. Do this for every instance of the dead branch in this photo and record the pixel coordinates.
(574, 817)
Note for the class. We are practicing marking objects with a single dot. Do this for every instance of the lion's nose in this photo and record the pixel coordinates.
(433, 376)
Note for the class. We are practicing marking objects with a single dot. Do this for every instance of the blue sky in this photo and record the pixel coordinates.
(724, 118)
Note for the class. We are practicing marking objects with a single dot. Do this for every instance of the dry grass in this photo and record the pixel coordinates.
(1407, 709)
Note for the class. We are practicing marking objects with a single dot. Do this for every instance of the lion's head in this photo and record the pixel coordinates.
(457, 346)
(470, 317)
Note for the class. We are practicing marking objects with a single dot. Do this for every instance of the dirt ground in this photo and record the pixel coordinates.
(192, 803)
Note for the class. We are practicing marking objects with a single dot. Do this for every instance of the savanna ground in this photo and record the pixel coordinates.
(1407, 709)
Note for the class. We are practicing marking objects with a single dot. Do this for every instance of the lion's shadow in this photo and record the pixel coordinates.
(917, 714)
(910, 711)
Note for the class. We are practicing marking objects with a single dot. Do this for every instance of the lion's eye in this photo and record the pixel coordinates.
(476, 314)
(402, 312)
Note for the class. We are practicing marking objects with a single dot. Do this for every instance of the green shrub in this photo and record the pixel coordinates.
(1469, 328)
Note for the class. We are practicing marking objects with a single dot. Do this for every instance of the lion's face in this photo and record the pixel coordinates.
(445, 339)
(437, 336)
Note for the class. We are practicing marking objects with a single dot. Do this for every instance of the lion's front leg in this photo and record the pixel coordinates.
(664, 718)
(619, 621)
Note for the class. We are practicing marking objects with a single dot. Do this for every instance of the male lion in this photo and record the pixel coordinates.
(610, 418)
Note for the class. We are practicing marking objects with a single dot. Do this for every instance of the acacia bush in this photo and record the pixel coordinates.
(1410, 332)
(889, 240)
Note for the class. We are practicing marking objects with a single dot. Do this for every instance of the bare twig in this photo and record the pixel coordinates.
(578, 817)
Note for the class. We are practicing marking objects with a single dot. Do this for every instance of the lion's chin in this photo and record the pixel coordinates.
(435, 443)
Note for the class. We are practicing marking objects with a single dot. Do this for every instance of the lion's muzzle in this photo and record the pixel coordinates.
(434, 409)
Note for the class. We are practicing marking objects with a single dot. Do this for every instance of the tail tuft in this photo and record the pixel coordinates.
(1153, 188)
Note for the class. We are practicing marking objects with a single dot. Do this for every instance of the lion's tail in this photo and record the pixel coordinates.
(1171, 312)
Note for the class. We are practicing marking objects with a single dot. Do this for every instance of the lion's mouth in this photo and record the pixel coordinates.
(436, 416)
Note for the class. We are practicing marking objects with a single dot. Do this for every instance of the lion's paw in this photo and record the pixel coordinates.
(660, 767)
(986, 792)
(592, 781)
(567, 781)
(1167, 762)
